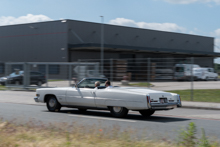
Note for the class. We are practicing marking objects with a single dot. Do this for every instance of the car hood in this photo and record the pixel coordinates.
(54, 88)
(3, 78)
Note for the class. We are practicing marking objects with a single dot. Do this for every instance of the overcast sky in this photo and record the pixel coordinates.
(199, 17)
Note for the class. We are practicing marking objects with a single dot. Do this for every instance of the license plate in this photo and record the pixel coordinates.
(163, 100)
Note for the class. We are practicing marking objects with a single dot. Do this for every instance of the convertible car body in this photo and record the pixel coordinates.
(119, 100)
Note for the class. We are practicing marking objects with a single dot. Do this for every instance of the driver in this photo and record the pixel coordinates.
(108, 84)
(97, 83)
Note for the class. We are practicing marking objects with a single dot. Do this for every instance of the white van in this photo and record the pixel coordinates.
(184, 71)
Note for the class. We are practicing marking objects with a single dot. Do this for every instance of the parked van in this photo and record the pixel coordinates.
(184, 71)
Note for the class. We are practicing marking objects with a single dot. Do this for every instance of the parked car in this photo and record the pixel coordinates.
(209, 74)
(119, 100)
(36, 78)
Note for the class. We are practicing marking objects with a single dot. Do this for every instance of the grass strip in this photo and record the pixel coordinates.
(141, 84)
(55, 80)
(2, 87)
(199, 95)
(30, 135)
(64, 135)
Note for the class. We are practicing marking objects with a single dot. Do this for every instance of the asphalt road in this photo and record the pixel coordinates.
(163, 124)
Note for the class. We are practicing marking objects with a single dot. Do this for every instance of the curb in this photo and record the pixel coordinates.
(197, 107)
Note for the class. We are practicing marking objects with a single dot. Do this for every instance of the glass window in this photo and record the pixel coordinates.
(35, 73)
(179, 69)
(90, 83)
(53, 69)
(2, 68)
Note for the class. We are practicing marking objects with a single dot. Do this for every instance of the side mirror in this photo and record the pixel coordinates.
(75, 85)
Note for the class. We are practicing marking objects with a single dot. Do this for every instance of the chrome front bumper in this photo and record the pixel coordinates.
(36, 99)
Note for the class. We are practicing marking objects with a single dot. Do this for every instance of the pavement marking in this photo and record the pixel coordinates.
(103, 118)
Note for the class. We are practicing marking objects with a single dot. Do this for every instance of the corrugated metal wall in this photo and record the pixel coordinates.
(41, 42)
(117, 35)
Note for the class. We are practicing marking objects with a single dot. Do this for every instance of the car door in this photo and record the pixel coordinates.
(33, 78)
(81, 97)
(210, 73)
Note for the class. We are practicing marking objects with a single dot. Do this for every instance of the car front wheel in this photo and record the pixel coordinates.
(52, 104)
(146, 113)
(118, 111)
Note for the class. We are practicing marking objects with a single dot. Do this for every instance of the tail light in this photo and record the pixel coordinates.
(148, 99)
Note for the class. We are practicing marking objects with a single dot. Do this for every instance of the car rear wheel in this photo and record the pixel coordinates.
(52, 104)
(118, 111)
(146, 113)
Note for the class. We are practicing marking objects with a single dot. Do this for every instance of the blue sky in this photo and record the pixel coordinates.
(199, 17)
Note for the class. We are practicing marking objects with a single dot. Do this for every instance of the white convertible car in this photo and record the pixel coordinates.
(119, 100)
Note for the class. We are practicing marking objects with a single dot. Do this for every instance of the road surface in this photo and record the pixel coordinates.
(163, 124)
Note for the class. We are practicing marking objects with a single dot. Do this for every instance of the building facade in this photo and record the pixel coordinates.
(71, 41)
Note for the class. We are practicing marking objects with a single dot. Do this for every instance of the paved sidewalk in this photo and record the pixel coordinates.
(26, 97)
(201, 105)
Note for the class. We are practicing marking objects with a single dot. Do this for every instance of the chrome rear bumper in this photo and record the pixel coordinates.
(165, 106)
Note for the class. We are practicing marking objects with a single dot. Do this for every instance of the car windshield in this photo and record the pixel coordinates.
(18, 73)
(90, 83)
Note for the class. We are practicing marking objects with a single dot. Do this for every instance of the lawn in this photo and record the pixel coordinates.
(54, 80)
(144, 84)
(2, 87)
(200, 95)
(76, 135)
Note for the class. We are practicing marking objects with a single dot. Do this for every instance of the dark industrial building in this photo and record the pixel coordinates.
(70, 40)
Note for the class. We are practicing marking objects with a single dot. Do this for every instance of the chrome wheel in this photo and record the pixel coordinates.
(52, 102)
(117, 109)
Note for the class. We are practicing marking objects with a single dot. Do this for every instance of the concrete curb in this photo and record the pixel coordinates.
(197, 107)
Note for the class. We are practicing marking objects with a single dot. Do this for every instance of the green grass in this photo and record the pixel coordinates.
(144, 84)
(200, 95)
(2, 87)
(77, 135)
(63, 135)
(54, 80)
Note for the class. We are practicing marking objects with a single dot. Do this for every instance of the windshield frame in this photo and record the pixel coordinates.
(101, 80)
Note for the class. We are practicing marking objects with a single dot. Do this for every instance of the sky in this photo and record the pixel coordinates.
(198, 17)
